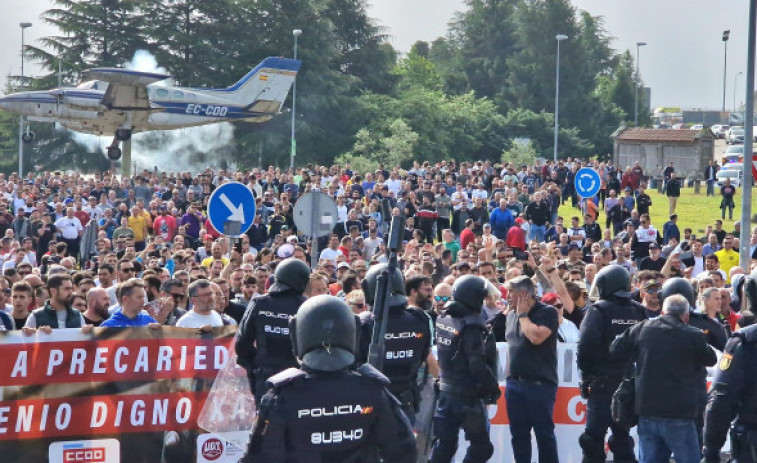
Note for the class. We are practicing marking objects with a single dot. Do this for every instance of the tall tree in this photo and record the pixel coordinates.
(92, 33)
(485, 34)
(448, 60)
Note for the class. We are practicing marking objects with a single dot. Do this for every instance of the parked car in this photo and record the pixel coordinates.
(734, 136)
(733, 174)
(697, 127)
(719, 130)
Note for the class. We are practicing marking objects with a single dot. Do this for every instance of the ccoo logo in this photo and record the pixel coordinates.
(212, 449)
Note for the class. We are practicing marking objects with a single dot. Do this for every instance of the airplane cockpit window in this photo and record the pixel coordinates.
(161, 92)
(191, 97)
(178, 94)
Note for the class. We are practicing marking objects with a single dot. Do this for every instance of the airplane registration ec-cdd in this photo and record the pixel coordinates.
(122, 102)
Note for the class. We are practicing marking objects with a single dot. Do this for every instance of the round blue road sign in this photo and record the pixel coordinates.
(231, 209)
(587, 182)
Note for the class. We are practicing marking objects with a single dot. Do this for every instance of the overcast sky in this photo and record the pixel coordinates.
(682, 63)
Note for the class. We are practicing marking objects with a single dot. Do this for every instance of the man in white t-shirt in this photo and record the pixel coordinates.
(203, 314)
(332, 252)
(70, 230)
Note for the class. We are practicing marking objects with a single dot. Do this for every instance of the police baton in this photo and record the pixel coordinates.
(377, 347)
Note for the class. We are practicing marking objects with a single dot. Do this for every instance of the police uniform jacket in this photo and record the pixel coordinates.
(734, 391)
(669, 357)
(407, 344)
(344, 416)
(263, 338)
(602, 323)
(467, 353)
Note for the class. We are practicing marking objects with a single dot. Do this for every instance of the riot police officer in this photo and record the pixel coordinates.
(606, 319)
(734, 393)
(263, 344)
(407, 339)
(324, 411)
(713, 330)
(468, 377)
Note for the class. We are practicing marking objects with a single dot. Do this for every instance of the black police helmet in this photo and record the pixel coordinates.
(470, 291)
(397, 282)
(613, 280)
(292, 274)
(678, 286)
(324, 333)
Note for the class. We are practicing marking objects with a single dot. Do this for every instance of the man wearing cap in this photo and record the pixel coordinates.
(654, 261)
(516, 236)
(643, 237)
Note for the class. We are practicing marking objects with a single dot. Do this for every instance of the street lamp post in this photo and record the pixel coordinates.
(296, 33)
(636, 87)
(725, 37)
(560, 38)
(23, 26)
(745, 255)
(735, 79)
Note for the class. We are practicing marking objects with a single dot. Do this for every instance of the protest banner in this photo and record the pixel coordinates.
(118, 394)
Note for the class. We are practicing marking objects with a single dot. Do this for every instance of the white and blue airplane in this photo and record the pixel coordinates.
(122, 102)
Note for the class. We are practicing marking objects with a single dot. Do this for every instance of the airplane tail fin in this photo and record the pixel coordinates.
(265, 87)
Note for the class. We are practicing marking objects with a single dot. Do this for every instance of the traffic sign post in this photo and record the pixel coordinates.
(587, 183)
(315, 215)
(231, 209)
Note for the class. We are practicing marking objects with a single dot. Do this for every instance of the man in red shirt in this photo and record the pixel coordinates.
(516, 236)
(165, 224)
(80, 213)
(467, 236)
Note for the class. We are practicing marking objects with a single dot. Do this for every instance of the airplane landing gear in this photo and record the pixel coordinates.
(123, 134)
(114, 153)
(27, 136)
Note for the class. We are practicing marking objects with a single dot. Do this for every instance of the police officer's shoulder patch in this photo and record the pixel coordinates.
(725, 361)
(285, 377)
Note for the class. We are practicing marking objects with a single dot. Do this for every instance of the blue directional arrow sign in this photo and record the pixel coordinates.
(231, 209)
(587, 183)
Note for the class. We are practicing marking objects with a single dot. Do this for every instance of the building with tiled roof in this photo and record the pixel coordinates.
(689, 150)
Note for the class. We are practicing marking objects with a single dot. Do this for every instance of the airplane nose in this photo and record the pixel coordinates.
(5, 103)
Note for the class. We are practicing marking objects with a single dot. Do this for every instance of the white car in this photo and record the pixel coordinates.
(735, 136)
(733, 174)
(719, 130)
(696, 127)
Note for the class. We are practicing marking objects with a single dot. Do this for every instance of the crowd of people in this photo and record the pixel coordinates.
(85, 251)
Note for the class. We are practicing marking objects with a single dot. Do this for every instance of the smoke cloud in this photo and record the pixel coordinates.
(190, 149)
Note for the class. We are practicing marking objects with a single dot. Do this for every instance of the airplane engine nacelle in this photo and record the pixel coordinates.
(81, 103)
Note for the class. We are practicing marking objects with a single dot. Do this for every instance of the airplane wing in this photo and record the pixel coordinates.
(127, 89)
